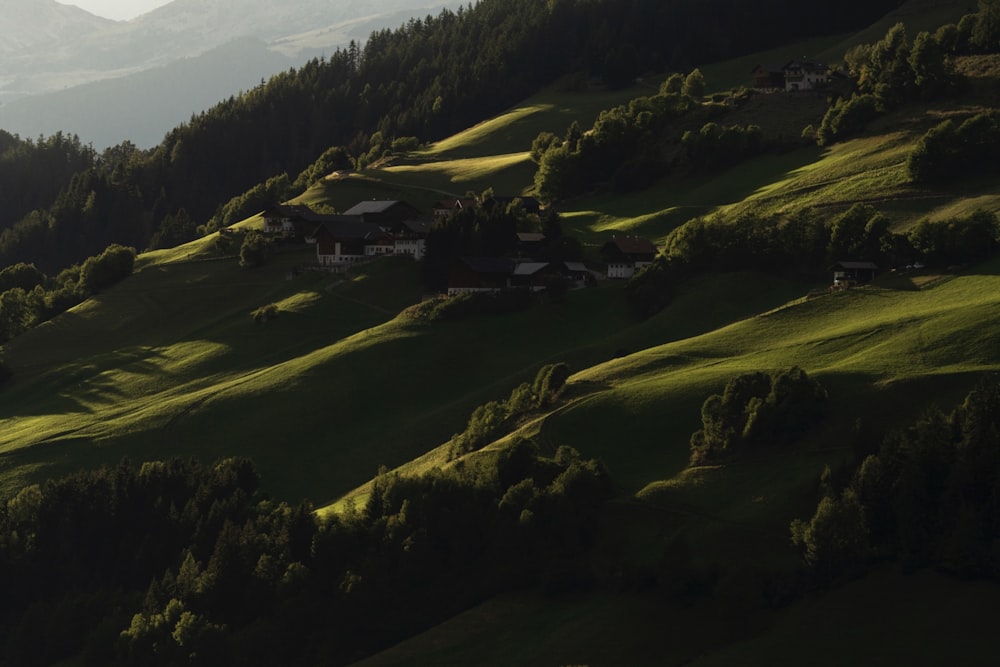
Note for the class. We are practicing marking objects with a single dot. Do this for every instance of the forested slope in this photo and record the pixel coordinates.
(426, 79)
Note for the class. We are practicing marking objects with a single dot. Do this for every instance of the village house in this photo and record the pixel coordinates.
(410, 238)
(494, 274)
(536, 276)
(625, 255)
(289, 220)
(345, 239)
(805, 74)
(578, 274)
(368, 230)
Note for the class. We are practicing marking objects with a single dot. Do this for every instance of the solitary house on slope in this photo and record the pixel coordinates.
(846, 274)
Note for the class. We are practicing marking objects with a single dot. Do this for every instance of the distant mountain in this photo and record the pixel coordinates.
(31, 23)
(52, 55)
(143, 106)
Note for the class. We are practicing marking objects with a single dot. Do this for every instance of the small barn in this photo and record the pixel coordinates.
(847, 274)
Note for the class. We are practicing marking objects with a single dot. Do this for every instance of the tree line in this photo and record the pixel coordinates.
(174, 562)
(29, 297)
(805, 244)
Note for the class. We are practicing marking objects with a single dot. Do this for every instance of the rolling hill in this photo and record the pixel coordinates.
(170, 362)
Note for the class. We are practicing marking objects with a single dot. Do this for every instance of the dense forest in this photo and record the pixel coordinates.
(426, 79)
(173, 562)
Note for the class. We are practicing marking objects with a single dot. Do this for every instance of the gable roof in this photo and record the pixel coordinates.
(374, 206)
(856, 266)
(395, 208)
(805, 64)
(630, 245)
(529, 268)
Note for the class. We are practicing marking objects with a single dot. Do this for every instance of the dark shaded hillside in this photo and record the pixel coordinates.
(426, 79)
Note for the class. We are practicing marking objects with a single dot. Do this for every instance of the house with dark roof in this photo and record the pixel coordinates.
(627, 254)
(848, 274)
(289, 219)
(384, 212)
(410, 237)
(536, 276)
(805, 74)
(578, 274)
(530, 244)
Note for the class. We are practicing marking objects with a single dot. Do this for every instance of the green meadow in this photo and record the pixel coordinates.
(171, 362)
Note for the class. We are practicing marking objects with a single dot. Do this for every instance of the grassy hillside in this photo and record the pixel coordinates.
(171, 363)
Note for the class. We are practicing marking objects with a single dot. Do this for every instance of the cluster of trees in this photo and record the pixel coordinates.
(630, 146)
(29, 297)
(496, 418)
(956, 241)
(950, 152)
(425, 80)
(178, 563)
(805, 245)
(889, 73)
(716, 146)
(470, 304)
(756, 410)
(254, 249)
(928, 497)
(893, 70)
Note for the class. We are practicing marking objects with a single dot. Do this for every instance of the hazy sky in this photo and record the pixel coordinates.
(117, 9)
